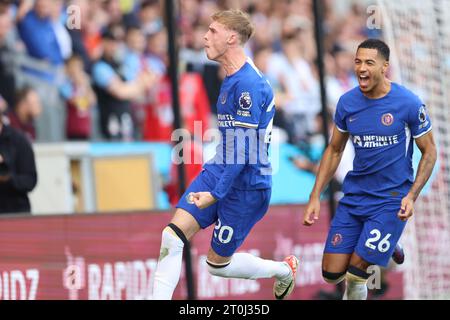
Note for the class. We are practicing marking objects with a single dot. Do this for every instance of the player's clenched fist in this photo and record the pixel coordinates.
(311, 212)
(202, 199)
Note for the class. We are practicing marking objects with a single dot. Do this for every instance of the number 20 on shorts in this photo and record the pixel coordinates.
(220, 231)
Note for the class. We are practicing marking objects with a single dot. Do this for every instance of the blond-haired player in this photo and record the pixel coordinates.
(233, 190)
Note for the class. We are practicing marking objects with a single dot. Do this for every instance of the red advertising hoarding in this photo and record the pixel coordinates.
(114, 256)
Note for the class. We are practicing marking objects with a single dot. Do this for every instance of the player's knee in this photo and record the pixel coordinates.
(356, 276)
(333, 277)
(217, 269)
(172, 239)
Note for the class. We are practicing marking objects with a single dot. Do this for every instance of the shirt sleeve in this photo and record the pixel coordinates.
(103, 75)
(339, 117)
(249, 103)
(418, 119)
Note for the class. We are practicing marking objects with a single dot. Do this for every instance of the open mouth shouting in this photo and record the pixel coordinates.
(364, 81)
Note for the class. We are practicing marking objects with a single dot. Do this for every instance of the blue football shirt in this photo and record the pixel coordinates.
(245, 111)
(381, 131)
(39, 38)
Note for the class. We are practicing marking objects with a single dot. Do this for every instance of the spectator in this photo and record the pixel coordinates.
(7, 56)
(156, 51)
(194, 57)
(194, 103)
(135, 63)
(36, 29)
(114, 11)
(280, 120)
(76, 34)
(80, 99)
(63, 38)
(340, 77)
(150, 17)
(27, 108)
(114, 92)
(300, 90)
(94, 22)
(17, 170)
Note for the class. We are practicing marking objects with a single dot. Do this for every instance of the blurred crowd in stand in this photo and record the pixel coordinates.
(104, 63)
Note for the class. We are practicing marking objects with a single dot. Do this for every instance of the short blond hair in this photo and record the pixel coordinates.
(236, 20)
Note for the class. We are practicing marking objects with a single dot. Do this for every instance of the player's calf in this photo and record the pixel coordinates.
(246, 266)
(219, 270)
(356, 280)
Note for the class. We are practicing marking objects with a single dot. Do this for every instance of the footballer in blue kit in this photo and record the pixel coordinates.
(234, 188)
(245, 108)
(382, 119)
(382, 131)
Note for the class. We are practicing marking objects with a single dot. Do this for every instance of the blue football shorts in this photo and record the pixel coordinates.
(234, 215)
(371, 231)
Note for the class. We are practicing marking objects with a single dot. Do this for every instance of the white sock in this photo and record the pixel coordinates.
(168, 270)
(356, 288)
(247, 266)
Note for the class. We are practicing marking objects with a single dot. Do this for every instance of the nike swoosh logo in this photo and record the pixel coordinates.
(281, 296)
(352, 119)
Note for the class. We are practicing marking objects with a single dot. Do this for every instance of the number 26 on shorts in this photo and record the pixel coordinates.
(383, 245)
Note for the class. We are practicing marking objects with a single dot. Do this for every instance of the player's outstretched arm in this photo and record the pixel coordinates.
(328, 165)
(427, 147)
